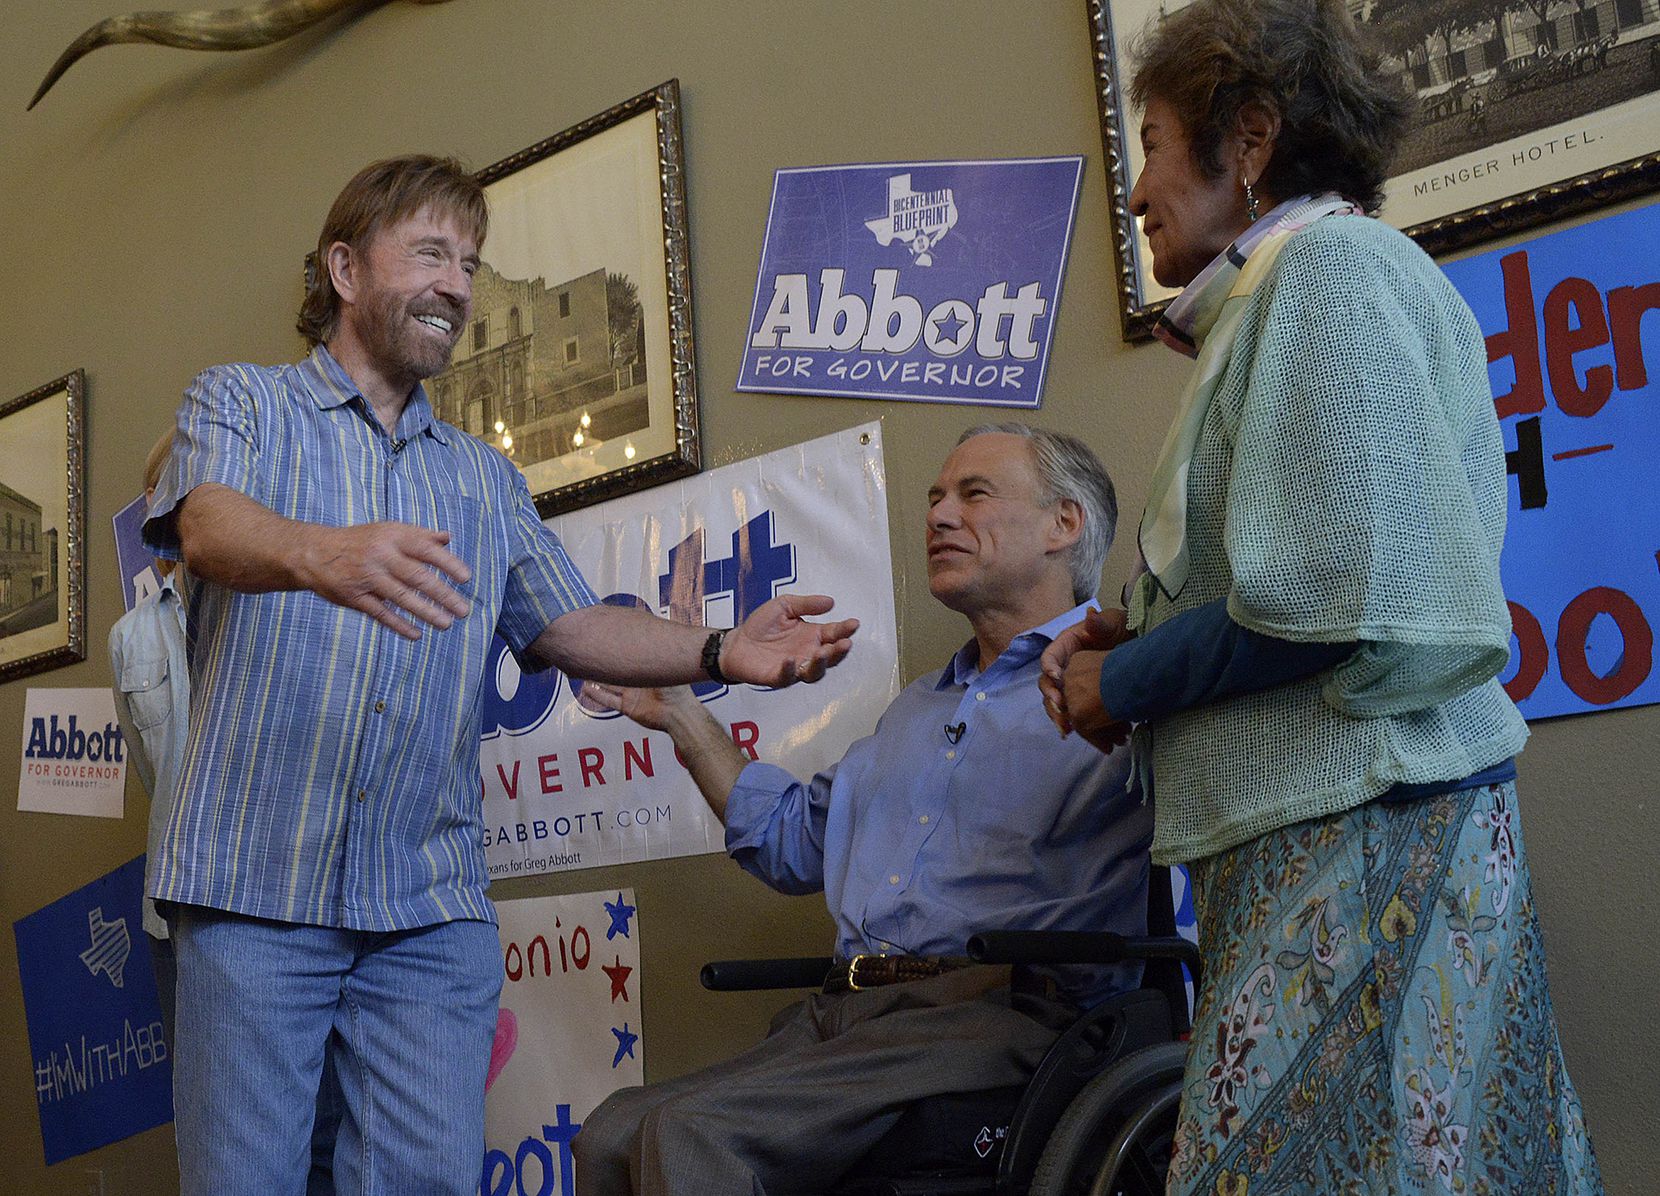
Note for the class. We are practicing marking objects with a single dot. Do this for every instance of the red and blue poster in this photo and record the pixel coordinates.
(101, 1067)
(1572, 322)
(929, 281)
(569, 1033)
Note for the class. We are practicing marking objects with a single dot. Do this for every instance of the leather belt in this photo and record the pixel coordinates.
(874, 971)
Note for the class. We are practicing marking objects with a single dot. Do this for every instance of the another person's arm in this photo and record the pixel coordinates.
(403, 576)
(775, 646)
(386, 570)
(710, 755)
(774, 823)
(1354, 538)
(205, 511)
(1196, 657)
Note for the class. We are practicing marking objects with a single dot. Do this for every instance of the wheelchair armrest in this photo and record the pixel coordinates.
(1078, 946)
(740, 975)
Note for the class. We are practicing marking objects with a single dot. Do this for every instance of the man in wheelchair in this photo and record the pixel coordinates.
(961, 813)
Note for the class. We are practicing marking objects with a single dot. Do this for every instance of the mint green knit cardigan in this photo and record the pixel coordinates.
(1349, 485)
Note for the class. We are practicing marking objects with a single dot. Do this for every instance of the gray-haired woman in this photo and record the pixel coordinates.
(1316, 645)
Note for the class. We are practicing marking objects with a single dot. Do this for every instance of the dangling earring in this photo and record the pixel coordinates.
(1250, 200)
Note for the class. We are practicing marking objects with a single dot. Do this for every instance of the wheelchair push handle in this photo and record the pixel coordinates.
(1077, 946)
(743, 975)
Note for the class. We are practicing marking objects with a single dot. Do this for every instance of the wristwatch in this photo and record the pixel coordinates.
(711, 656)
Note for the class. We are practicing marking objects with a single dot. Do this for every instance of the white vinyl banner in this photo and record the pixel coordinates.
(568, 1033)
(74, 757)
(566, 786)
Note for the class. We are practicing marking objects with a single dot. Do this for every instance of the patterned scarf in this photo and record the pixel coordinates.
(1201, 323)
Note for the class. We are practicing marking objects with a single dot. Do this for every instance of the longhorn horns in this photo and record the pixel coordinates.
(242, 28)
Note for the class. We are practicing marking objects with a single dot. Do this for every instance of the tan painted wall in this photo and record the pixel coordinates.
(153, 213)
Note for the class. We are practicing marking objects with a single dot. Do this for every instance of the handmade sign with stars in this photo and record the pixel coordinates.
(570, 1030)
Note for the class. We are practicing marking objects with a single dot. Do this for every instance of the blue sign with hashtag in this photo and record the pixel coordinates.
(101, 1065)
(929, 281)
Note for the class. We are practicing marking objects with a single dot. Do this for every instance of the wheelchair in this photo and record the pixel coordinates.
(1099, 1114)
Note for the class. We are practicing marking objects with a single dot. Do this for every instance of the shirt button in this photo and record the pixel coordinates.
(923, 820)
(362, 794)
(981, 696)
(951, 755)
(380, 707)
(894, 879)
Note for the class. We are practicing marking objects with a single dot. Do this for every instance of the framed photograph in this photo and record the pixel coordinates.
(1525, 111)
(43, 529)
(578, 363)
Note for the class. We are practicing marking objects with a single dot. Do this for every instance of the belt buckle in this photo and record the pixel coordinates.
(853, 984)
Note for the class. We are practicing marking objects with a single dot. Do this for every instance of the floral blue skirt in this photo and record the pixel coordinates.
(1375, 1016)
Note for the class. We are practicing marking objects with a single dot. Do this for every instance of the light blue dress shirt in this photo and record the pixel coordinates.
(152, 704)
(919, 838)
(330, 775)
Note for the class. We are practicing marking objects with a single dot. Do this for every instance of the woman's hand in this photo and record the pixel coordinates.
(1083, 709)
(1097, 634)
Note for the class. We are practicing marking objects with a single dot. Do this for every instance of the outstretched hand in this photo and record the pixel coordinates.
(387, 571)
(776, 646)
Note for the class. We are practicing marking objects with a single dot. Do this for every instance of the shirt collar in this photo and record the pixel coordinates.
(964, 667)
(331, 386)
(173, 592)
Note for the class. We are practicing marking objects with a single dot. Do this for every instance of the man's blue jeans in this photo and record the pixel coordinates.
(412, 1015)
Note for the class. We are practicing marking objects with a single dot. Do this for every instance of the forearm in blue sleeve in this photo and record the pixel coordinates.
(775, 827)
(1201, 656)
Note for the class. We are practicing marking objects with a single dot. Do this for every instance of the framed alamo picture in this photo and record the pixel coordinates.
(43, 529)
(578, 363)
(1524, 111)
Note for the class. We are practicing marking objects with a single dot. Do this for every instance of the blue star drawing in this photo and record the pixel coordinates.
(625, 1044)
(620, 913)
(950, 326)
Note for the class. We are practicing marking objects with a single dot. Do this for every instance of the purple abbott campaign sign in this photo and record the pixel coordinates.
(138, 571)
(936, 282)
(1564, 317)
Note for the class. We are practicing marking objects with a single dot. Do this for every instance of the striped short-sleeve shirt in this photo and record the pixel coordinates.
(331, 772)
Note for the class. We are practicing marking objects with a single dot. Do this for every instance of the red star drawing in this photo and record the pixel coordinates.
(619, 973)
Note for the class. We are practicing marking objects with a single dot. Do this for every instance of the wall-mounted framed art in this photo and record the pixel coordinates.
(578, 361)
(43, 529)
(1524, 111)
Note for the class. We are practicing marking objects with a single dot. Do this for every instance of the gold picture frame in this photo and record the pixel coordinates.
(578, 360)
(1506, 135)
(43, 529)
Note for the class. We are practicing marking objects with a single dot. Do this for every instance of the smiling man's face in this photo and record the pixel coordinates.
(992, 538)
(415, 294)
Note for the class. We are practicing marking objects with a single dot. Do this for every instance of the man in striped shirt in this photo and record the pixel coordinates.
(323, 871)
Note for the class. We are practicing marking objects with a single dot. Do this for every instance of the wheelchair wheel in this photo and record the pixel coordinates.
(1114, 1139)
(1138, 1158)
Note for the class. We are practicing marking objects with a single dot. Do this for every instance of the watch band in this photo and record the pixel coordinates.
(711, 656)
